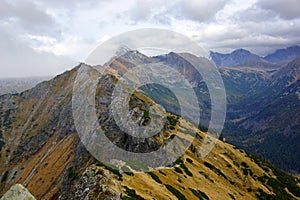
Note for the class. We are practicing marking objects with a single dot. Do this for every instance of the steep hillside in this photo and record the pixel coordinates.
(268, 122)
(41, 150)
(242, 82)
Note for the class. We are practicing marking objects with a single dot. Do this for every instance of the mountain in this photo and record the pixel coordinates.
(17, 85)
(266, 121)
(237, 57)
(263, 105)
(282, 55)
(244, 58)
(41, 150)
(249, 90)
(241, 82)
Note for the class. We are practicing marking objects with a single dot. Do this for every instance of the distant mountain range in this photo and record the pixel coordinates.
(263, 98)
(264, 113)
(244, 57)
(40, 147)
(280, 55)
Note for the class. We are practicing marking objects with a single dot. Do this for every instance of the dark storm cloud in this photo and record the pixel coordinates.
(286, 9)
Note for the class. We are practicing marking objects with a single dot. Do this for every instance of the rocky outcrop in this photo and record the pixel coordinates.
(17, 192)
(96, 183)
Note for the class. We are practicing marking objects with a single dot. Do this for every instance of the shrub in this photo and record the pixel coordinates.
(214, 169)
(162, 172)
(186, 170)
(189, 160)
(154, 177)
(172, 120)
(178, 170)
(175, 192)
(131, 195)
(201, 195)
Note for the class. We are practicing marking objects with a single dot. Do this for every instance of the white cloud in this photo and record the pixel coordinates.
(201, 10)
(28, 16)
(18, 59)
(59, 31)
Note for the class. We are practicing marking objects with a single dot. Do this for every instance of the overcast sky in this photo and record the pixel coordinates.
(46, 37)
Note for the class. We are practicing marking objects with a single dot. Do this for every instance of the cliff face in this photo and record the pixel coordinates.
(41, 150)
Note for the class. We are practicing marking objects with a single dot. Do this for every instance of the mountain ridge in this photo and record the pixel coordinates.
(242, 57)
(49, 159)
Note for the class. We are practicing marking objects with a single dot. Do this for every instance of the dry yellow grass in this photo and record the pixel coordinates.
(43, 170)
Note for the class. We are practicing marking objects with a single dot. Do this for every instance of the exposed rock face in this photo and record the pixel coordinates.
(96, 183)
(17, 192)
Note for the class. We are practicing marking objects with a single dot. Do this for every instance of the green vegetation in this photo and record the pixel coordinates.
(201, 195)
(178, 194)
(178, 170)
(282, 180)
(186, 170)
(231, 195)
(246, 169)
(178, 161)
(214, 169)
(131, 195)
(162, 173)
(264, 196)
(154, 177)
(276, 186)
(172, 121)
(146, 113)
(244, 164)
